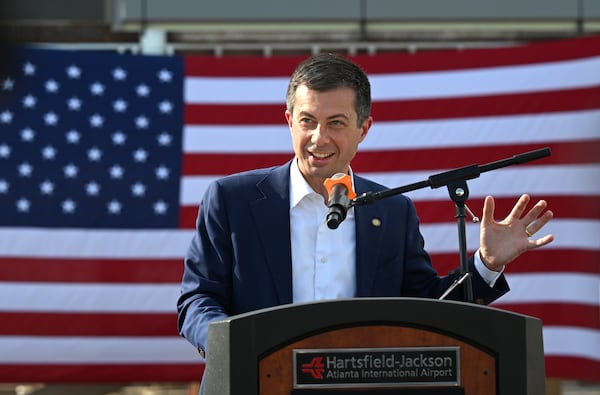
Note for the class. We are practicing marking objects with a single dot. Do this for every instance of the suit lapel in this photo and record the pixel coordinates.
(370, 222)
(272, 219)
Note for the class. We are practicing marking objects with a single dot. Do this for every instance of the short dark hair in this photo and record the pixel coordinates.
(329, 71)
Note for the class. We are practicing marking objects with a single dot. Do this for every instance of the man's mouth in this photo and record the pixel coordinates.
(321, 155)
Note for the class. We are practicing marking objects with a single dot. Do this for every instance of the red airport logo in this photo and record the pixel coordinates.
(315, 368)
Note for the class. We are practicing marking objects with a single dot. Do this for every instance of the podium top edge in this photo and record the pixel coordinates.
(373, 304)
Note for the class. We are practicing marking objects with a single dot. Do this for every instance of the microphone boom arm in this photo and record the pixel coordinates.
(447, 177)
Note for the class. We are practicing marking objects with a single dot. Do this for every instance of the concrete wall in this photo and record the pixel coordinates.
(305, 10)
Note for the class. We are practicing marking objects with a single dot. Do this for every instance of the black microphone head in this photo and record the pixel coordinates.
(335, 216)
(339, 187)
(338, 180)
(338, 195)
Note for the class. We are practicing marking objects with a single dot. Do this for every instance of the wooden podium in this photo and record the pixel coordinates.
(379, 346)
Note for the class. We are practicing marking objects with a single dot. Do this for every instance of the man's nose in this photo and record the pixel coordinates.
(320, 134)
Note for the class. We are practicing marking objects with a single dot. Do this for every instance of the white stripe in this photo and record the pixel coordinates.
(241, 139)
(579, 288)
(472, 132)
(161, 298)
(401, 86)
(568, 234)
(96, 350)
(467, 132)
(81, 243)
(558, 341)
(572, 342)
(487, 81)
(17, 242)
(235, 90)
(440, 238)
(89, 298)
(538, 181)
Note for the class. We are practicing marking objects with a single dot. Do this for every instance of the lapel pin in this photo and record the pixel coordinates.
(376, 222)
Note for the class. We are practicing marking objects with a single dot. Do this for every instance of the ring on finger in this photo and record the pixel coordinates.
(528, 233)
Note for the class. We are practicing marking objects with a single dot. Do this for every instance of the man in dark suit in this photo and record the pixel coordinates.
(261, 239)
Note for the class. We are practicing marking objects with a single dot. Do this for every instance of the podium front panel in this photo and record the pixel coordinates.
(476, 367)
(253, 353)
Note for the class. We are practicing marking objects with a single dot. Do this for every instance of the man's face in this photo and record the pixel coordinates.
(325, 135)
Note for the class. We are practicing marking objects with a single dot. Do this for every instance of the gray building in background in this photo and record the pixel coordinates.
(285, 26)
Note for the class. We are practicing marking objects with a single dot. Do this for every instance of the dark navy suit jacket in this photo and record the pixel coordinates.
(240, 257)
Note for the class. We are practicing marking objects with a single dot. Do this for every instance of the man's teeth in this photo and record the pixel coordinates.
(320, 156)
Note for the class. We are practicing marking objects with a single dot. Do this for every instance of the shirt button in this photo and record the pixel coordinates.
(324, 259)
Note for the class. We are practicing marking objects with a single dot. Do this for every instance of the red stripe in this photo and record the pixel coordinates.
(245, 114)
(93, 324)
(222, 164)
(407, 110)
(481, 106)
(566, 206)
(91, 270)
(563, 153)
(540, 52)
(543, 260)
(187, 216)
(142, 325)
(549, 260)
(558, 314)
(430, 212)
(86, 373)
(572, 368)
(283, 66)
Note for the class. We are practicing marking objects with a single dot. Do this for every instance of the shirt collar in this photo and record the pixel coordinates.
(299, 188)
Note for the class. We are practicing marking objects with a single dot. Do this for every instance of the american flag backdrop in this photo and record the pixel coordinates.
(104, 158)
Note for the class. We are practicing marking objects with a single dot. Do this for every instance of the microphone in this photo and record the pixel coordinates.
(339, 189)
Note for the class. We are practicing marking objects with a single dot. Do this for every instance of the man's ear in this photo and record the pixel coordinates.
(365, 127)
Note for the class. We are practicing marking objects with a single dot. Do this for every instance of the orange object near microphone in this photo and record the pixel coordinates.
(340, 178)
(340, 191)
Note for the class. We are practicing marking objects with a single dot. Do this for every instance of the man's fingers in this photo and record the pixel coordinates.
(535, 223)
(519, 207)
(542, 241)
(535, 211)
(488, 210)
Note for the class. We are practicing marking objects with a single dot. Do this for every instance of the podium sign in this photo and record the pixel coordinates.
(378, 346)
(376, 367)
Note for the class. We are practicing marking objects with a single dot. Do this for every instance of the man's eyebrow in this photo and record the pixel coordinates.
(340, 115)
(306, 114)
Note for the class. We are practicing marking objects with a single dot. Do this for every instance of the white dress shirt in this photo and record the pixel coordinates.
(323, 259)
